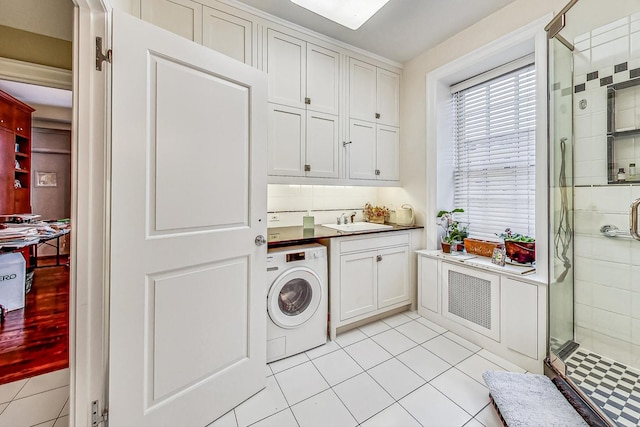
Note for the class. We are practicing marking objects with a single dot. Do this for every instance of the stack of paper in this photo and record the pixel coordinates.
(18, 235)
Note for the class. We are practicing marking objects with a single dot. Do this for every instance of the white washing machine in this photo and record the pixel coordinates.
(297, 299)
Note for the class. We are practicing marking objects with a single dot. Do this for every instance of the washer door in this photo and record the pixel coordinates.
(294, 297)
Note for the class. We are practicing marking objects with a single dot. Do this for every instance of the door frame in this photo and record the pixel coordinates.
(88, 280)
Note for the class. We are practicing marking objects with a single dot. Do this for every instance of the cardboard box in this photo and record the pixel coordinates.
(12, 272)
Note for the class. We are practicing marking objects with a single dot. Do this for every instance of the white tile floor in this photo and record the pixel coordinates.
(41, 401)
(399, 371)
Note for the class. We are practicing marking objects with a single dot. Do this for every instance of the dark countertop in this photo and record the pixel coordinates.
(296, 235)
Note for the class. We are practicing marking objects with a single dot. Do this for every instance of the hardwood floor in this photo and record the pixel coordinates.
(35, 340)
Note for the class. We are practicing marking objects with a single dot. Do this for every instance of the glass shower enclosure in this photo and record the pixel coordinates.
(594, 184)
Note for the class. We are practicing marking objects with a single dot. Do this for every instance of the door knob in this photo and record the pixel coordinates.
(260, 240)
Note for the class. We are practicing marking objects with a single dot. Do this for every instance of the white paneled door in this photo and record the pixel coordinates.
(188, 199)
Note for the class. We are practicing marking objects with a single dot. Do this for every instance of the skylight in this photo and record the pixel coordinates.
(349, 13)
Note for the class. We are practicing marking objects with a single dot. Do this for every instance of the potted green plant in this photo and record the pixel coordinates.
(520, 247)
(454, 231)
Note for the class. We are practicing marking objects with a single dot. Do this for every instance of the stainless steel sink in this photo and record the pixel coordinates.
(358, 226)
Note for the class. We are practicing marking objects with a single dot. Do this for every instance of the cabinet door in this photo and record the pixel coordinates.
(323, 79)
(322, 145)
(520, 314)
(228, 33)
(428, 282)
(393, 276)
(362, 90)
(6, 114)
(388, 153)
(286, 141)
(7, 160)
(358, 284)
(362, 150)
(388, 98)
(286, 66)
(181, 17)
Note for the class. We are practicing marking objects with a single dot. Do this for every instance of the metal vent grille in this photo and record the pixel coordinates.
(470, 298)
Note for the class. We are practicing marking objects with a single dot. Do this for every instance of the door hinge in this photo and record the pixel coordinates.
(307, 168)
(307, 101)
(101, 57)
(97, 417)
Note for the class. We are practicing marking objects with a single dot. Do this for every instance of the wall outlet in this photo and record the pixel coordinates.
(274, 217)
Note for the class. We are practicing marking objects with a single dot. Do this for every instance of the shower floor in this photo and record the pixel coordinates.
(615, 388)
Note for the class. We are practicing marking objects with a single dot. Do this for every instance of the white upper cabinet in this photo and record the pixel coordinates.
(387, 153)
(321, 145)
(361, 149)
(302, 143)
(302, 74)
(362, 90)
(388, 98)
(323, 84)
(224, 28)
(373, 151)
(374, 94)
(182, 17)
(285, 142)
(228, 33)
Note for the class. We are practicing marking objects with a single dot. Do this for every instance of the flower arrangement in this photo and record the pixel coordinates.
(454, 231)
(520, 247)
(376, 214)
(509, 235)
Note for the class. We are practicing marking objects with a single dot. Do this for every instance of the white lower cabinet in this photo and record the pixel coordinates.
(520, 303)
(368, 276)
(504, 313)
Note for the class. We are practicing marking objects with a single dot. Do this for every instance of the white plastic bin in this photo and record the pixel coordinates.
(12, 271)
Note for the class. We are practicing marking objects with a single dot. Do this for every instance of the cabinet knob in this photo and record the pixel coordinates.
(377, 115)
(307, 168)
(19, 129)
(377, 171)
(379, 258)
(307, 101)
(345, 143)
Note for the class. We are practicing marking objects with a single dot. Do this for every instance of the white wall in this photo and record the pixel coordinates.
(291, 202)
(53, 18)
(413, 94)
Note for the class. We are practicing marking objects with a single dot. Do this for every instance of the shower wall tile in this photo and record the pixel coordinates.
(584, 316)
(584, 336)
(635, 333)
(612, 299)
(613, 348)
(613, 274)
(635, 305)
(612, 324)
(583, 292)
(611, 198)
(582, 198)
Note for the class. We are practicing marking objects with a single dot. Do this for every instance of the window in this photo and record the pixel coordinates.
(494, 151)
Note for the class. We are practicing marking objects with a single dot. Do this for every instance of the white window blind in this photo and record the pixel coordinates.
(494, 154)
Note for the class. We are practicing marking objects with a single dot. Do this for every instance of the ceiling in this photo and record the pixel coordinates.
(37, 95)
(400, 31)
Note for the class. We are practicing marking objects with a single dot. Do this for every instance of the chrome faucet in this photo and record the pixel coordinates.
(342, 219)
